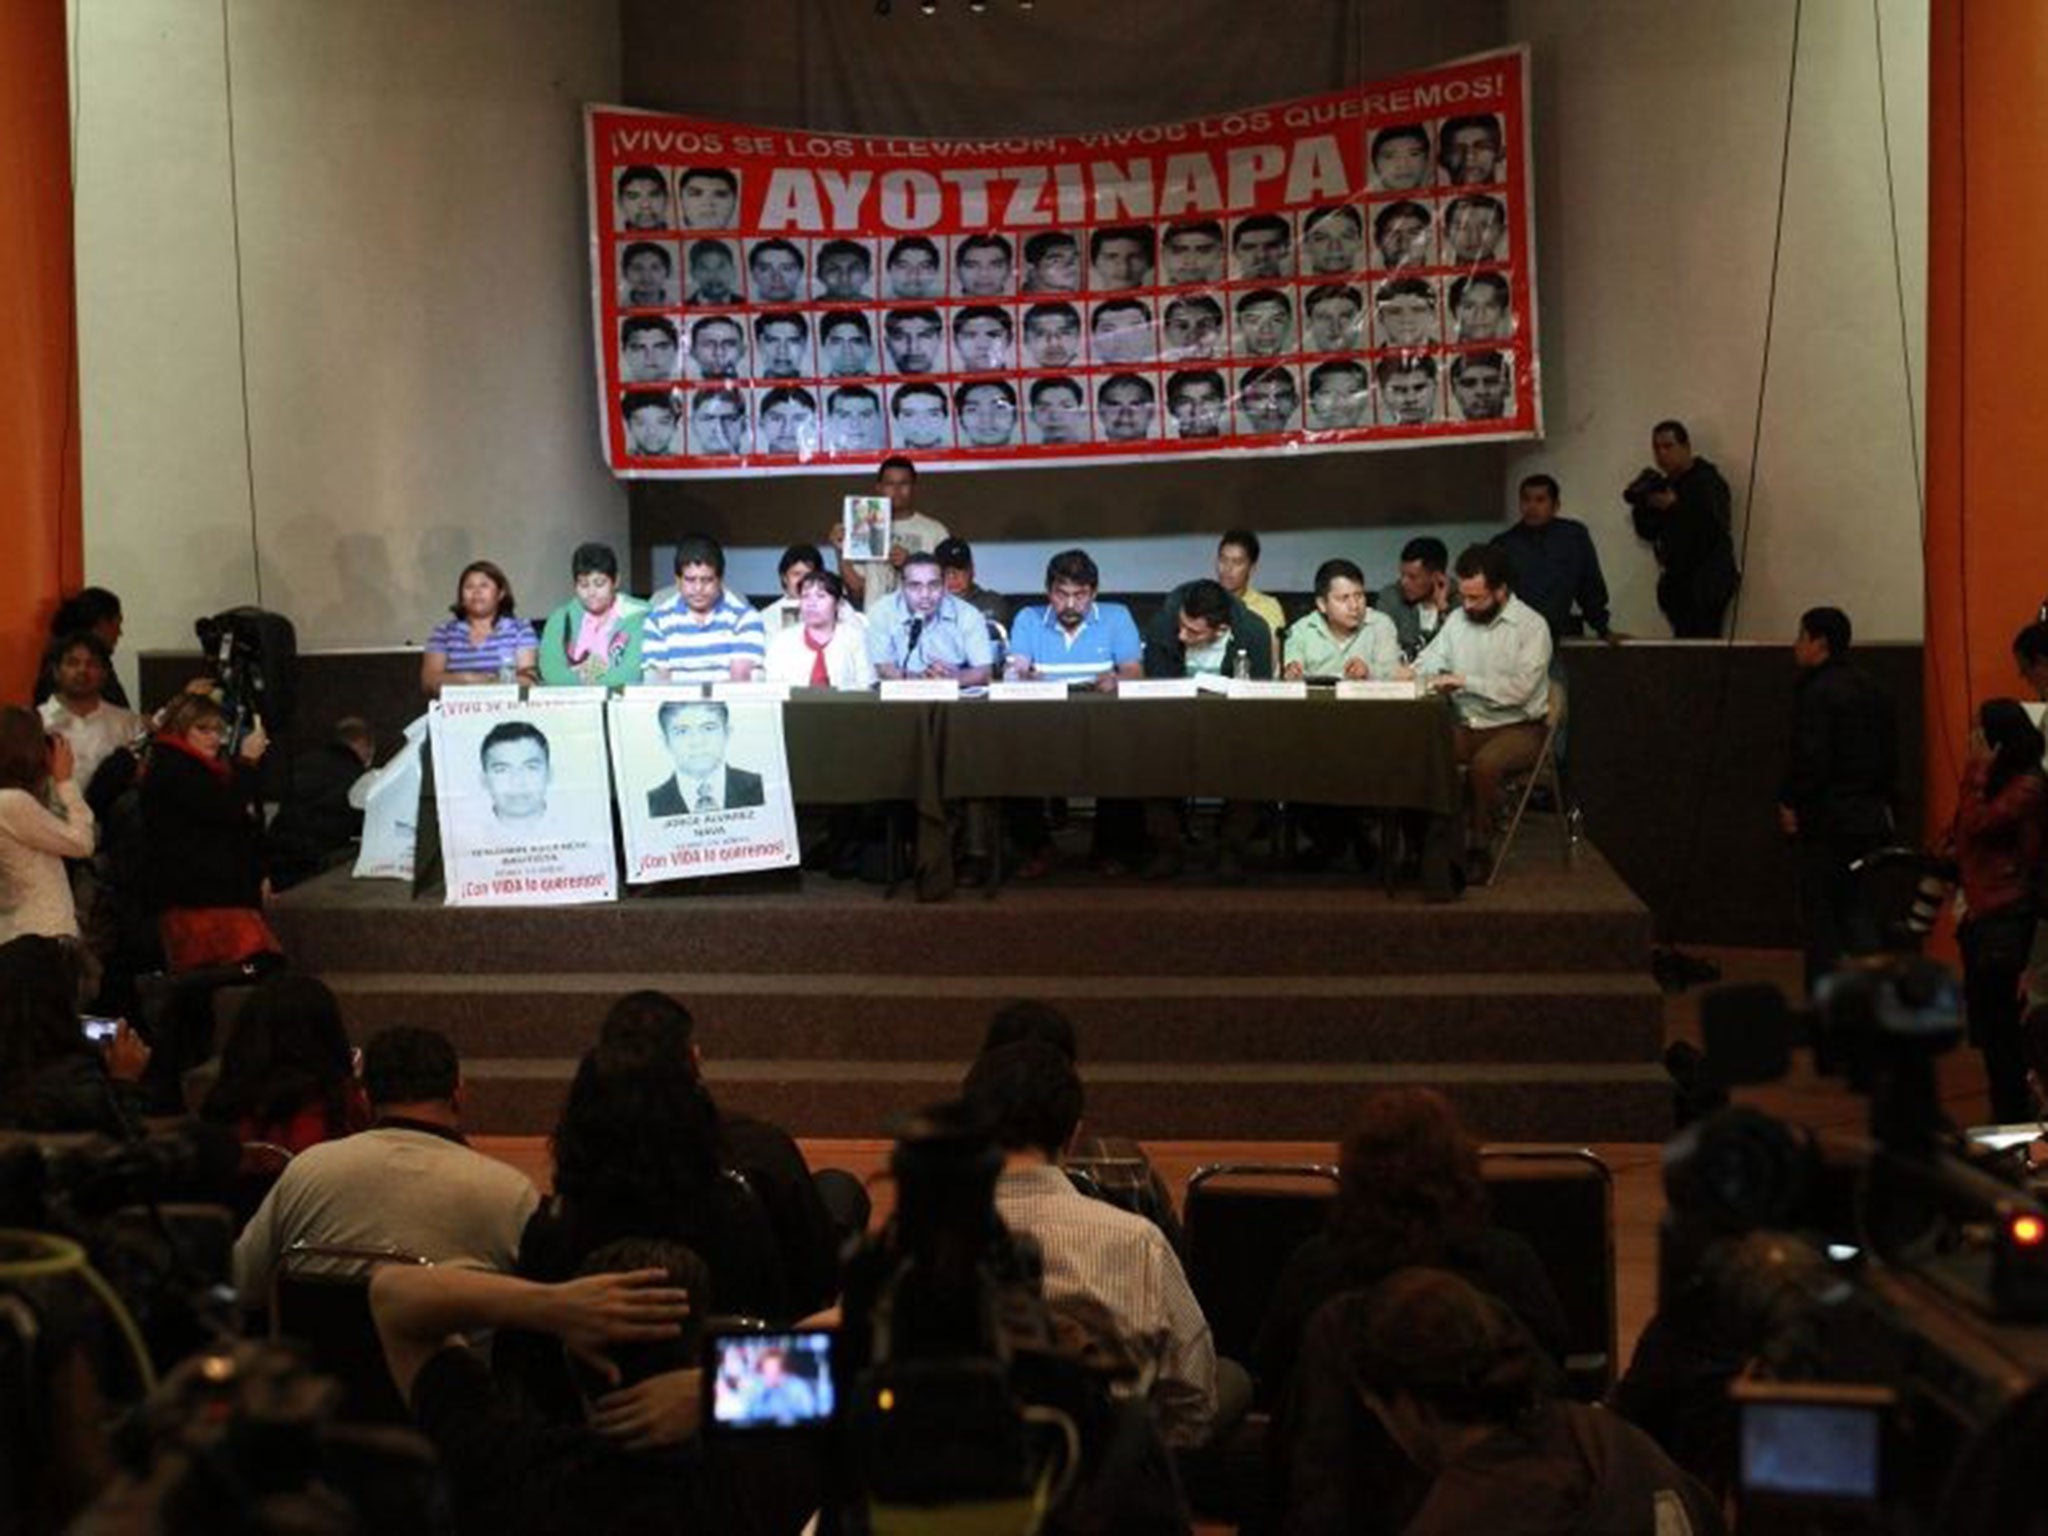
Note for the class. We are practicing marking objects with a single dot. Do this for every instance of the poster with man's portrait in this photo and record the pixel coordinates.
(524, 797)
(703, 785)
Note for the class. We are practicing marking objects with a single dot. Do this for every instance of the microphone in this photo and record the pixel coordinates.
(916, 634)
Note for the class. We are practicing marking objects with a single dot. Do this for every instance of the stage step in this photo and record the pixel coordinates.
(1147, 1100)
(857, 1017)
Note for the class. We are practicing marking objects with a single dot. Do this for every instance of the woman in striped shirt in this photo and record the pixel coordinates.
(485, 642)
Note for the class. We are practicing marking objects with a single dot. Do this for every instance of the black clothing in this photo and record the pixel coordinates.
(316, 824)
(1500, 1263)
(1695, 549)
(72, 1094)
(1165, 656)
(1555, 568)
(1995, 951)
(512, 1475)
(729, 1227)
(806, 1237)
(742, 789)
(204, 833)
(1839, 781)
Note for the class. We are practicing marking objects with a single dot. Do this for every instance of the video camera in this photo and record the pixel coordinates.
(1643, 487)
(252, 654)
(1888, 1291)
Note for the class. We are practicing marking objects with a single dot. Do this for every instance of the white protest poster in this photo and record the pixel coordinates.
(524, 797)
(865, 521)
(703, 786)
(390, 803)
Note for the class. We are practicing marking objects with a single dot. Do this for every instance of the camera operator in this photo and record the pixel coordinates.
(1683, 508)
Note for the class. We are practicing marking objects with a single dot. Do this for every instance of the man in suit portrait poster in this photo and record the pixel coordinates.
(697, 734)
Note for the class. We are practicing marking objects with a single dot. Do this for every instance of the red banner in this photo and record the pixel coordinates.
(1353, 270)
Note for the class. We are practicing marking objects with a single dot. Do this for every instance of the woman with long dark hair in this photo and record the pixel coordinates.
(52, 1078)
(2000, 827)
(287, 1073)
(43, 822)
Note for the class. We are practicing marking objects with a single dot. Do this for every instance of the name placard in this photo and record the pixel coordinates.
(1261, 688)
(1023, 691)
(919, 690)
(1409, 688)
(501, 693)
(1156, 688)
(752, 691)
(662, 691)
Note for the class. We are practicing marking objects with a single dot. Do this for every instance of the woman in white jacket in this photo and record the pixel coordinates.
(44, 820)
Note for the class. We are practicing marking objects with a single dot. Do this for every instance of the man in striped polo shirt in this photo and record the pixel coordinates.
(1073, 638)
(702, 633)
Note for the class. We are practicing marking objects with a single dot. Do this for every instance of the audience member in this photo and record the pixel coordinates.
(1420, 596)
(1556, 568)
(956, 568)
(1409, 1192)
(924, 631)
(93, 611)
(484, 640)
(1343, 637)
(784, 611)
(1031, 1095)
(2030, 655)
(1684, 509)
(814, 1215)
(594, 638)
(318, 821)
(287, 1073)
(632, 1322)
(1835, 800)
(410, 1182)
(704, 634)
(53, 1079)
(205, 838)
(911, 532)
(44, 820)
(827, 646)
(78, 708)
(637, 1155)
(1449, 1375)
(1492, 656)
(2001, 825)
(1237, 562)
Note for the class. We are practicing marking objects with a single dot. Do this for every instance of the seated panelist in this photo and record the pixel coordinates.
(1073, 638)
(1343, 637)
(485, 641)
(922, 630)
(827, 646)
(594, 638)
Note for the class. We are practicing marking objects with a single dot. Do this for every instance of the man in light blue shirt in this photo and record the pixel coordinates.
(921, 630)
(1492, 656)
(1074, 638)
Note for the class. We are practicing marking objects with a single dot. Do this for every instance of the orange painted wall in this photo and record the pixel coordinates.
(40, 546)
(1987, 331)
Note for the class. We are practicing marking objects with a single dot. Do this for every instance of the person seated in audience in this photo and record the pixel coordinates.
(287, 1072)
(1454, 1380)
(594, 638)
(44, 820)
(704, 634)
(78, 709)
(924, 631)
(318, 821)
(93, 611)
(1343, 637)
(1237, 562)
(52, 1078)
(827, 646)
(484, 640)
(1409, 1192)
(637, 1154)
(632, 1322)
(204, 831)
(1420, 596)
(410, 1182)
(1031, 1096)
(813, 1215)
(956, 566)
(1492, 657)
(780, 613)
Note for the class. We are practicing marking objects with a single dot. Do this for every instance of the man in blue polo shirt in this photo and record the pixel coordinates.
(1073, 638)
(921, 630)
(703, 633)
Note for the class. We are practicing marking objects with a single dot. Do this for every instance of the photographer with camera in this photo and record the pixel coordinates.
(53, 1078)
(1683, 508)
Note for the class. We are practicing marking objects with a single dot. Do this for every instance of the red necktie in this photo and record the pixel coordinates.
(819, 677)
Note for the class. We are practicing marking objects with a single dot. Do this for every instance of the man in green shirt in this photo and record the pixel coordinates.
(1343, 637)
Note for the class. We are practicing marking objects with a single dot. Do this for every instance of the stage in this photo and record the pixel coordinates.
(1205, 1012)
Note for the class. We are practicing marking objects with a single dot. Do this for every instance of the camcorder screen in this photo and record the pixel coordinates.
(98, 1030)
(1812, 1450)
(761, 1382)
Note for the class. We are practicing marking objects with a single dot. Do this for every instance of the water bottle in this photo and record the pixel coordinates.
(1243, 672)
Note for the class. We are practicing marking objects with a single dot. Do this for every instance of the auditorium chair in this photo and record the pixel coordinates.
(1243, 1221)
(1560, 1200)
(329, 1313)
(262, 1164)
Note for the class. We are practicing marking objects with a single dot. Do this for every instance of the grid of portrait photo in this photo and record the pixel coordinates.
(1396, 312)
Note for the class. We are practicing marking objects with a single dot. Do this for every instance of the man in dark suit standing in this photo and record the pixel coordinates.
(697, 733)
